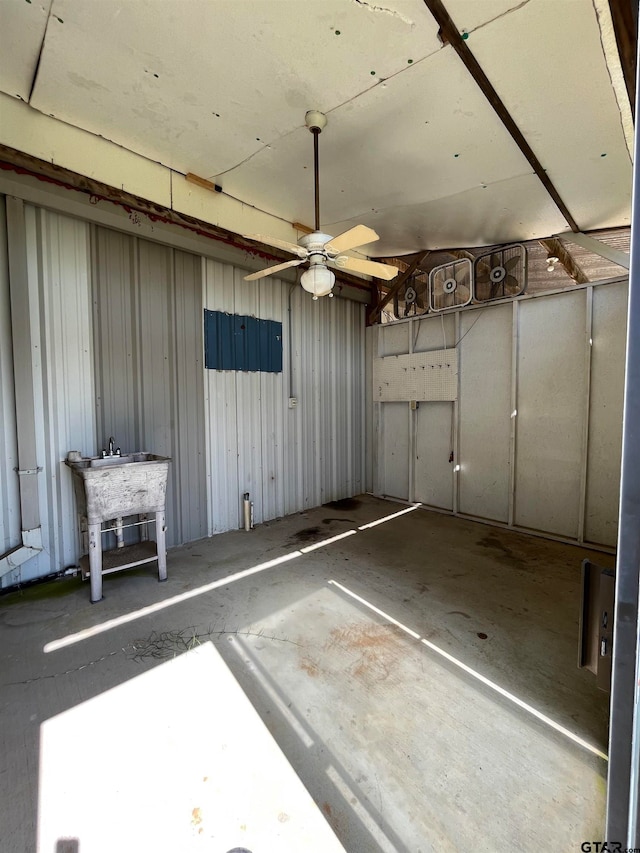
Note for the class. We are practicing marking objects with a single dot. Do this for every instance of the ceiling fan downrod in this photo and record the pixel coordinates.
(316, 121)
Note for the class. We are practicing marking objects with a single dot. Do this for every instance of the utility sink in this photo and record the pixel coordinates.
(116, 486)
(111, 488)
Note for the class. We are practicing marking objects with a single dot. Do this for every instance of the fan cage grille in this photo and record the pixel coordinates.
(500, 273)
(457, 276)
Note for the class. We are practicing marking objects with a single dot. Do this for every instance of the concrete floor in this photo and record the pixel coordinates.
(419, 675)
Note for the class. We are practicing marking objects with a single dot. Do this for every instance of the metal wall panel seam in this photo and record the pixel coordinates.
(587, 410)
(204, 268)
(379, 437)
(515, 320)
(412, 416)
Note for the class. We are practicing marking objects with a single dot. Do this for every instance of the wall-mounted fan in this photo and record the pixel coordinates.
(450, 285)
(322, 250)
(413, 298)
(500, 273)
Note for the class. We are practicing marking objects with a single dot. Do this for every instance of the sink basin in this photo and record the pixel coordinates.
(116, 486)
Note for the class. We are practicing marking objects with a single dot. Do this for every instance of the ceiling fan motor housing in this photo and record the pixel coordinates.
(315, 121)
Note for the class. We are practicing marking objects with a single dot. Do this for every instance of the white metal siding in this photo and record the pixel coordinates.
(9, 500)
(58, 270)
(148, 355)
(117, 325)
(287, 459)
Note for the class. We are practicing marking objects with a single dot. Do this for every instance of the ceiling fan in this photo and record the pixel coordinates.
(320, 249)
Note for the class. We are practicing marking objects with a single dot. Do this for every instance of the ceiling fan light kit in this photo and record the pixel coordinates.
(320, 249)
(318, 280)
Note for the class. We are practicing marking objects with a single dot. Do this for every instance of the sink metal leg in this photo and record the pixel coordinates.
(95, 561)
(161, 546)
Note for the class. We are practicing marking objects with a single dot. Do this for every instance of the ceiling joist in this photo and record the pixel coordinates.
(557, 249)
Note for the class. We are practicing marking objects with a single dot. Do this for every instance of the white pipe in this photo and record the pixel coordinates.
(247, 506)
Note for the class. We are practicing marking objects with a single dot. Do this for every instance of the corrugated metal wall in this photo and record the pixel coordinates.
(59, 285)
(149, 365)
(118, 328)
(287, 459)
(9, 501)
(537, 426)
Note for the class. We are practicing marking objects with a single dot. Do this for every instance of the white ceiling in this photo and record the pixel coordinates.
(413, 149)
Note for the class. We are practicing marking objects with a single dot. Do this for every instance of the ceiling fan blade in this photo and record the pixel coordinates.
(278, 244)
(360, 235)
(372, 268)
(271, 270)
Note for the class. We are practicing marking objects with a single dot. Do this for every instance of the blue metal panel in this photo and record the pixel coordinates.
(236, 342)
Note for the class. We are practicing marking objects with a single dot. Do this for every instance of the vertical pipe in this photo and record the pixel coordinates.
(95, 561)
(23, 364)
(624, 729)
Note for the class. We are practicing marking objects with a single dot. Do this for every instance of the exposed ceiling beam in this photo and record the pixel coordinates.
(612, 254)
(556, 248)
(450, 35)
(25, 164)
(398, 283)
(624, 15)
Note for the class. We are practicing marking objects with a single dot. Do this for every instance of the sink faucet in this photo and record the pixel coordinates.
(111, 452)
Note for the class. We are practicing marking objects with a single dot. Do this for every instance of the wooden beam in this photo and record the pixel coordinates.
(624, 16)
(560, 251)
(12, 160)
(203, 182)
(398, 283)
(450, 35)
(304, 228)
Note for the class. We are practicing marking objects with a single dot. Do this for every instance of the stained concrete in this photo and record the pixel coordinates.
(362, 656)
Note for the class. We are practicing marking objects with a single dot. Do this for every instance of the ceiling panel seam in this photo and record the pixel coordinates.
(379, 82)
(497, 17)
(450, 35)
